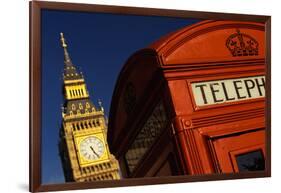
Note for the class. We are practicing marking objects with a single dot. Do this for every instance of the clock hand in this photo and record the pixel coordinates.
(94, 151)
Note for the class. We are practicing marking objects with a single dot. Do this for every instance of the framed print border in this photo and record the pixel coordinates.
(35, 7)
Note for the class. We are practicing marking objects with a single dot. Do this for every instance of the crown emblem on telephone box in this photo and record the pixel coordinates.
(240, 44)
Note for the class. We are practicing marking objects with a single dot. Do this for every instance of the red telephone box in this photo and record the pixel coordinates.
(192, 103)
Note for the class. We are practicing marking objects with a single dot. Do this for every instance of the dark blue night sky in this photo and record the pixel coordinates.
(99, 45)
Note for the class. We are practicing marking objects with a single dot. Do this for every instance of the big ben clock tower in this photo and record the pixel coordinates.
(83, 147)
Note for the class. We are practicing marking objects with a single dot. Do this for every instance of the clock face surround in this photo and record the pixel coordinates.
(91, 148)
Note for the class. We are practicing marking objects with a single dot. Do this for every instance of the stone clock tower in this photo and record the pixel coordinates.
(83, 147)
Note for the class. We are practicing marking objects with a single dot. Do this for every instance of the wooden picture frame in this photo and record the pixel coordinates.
(35, 94)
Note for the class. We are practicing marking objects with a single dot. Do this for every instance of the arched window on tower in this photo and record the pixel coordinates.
(79, 94)
(87, 105)
(73, 94)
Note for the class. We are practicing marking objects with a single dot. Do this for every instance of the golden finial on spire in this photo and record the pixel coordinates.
(64, 45)
(100, 105)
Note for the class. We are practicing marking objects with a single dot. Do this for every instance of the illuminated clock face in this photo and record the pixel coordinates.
(91, 148)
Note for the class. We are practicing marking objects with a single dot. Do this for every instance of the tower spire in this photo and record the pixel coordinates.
(64, 45)
(70, 71)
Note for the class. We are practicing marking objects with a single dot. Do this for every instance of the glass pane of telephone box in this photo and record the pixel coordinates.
(251, 161)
